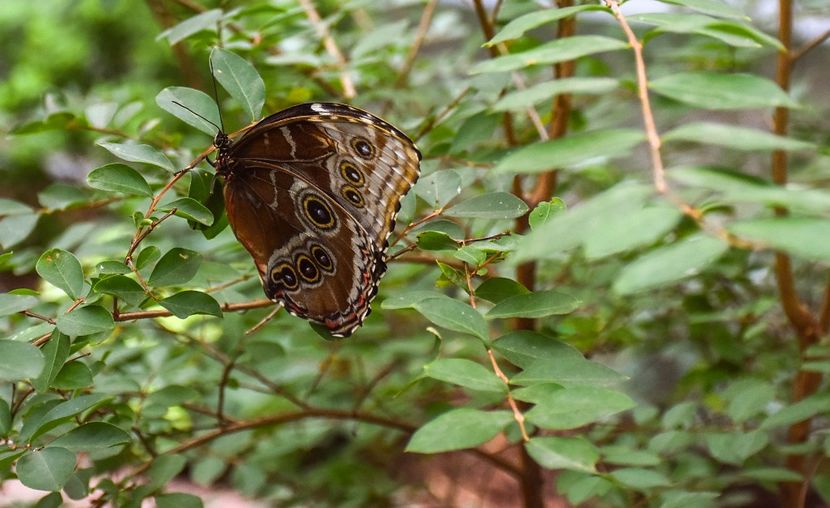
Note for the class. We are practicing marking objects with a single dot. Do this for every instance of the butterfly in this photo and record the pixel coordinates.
(312, 193)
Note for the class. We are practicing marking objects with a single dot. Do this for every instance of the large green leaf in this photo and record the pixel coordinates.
(188, 303)
(535, 305)
(574, 453)
(86, 321)
(454, 315)
(240, 79)
(92, 436)
(16, 228)
(12, 304)
(119, 178)
(561, 408)
(133, 152)
(176, 267)
(712, 90)
(522, 99)
(47, 469)
(19, 360)
(493, 205)
(200, 110)
(567, 371)
(63, 270)
(807, 237)
(517, 27)
(570, 151)
(669, 264)
(711, 7)
(34, 427)
(733, 136)
(559, 50)
(464, 373)
(523, 347)
(124, 288)
(735, 447)
(458, 429)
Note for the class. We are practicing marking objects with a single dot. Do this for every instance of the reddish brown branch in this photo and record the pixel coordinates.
(228, 307)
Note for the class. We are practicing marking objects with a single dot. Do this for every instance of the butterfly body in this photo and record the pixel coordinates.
(312, 193)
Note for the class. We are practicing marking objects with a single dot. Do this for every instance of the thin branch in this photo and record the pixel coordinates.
(420, 37)
(228, 307)
(809, 46)
(322, 30)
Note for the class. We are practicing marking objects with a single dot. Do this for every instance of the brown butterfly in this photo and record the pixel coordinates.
(312, 193)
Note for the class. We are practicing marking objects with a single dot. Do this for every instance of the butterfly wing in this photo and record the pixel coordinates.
(312, 193)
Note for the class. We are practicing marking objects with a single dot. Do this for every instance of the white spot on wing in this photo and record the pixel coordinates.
(319, 108)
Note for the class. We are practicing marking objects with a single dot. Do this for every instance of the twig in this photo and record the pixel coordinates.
(809, 46)
(349, 90)
(431, 120)
(420, 36)
(228, 307)
(35, 315)
(262, 322)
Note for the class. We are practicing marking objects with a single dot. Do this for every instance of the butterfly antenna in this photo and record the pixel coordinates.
(197, 114)
(216, 94)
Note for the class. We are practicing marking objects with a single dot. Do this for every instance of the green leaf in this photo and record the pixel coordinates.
(92, 436)
(523, 347)
(138, 153)
(147, 257)
(571, 150)
(640, 479)
(734, 33)
(732, 136)
(112, 267)
(207, 20)
(55, 353)
(624, 232)
(16, 228)
(747, 398)
(240, 79)
(567, 371)
(722, 91)
(626, 456)
(124, 288)
(119, 178)
(798, 412)
(494, 205)
(12, 304)
(535, 305)
(164, 469)
(711, 7)
(544, 212)
(34, 427)
(436, 240)
(684, 499)
(669, 264)
(5, 420)
(178, 500)
(805, 237)
(499, 288)
(523, 99)
(176, 267)
(86, 321)
(458, 429)
(562, 408)
(60, 196)
(574, 453)
(517, 27)
(559, 50)
(207, 470)
(197, 101)
(188, 303)
(19, 360)
(454, 315)
(409, 299)
(12, 207)
(73, 376)
(173, 395)
(63, 270)
(735, 447)
(46, 469)
(438, 188)
(771, 474)
(190, 209)
(464, 373)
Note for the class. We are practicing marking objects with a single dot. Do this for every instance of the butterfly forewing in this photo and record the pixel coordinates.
(312, 193)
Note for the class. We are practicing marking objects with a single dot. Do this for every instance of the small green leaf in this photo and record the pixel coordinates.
(640, 479)
(197, 101)
(732, 136)
(112, 267)
(498, 288)
(119, 178)
(19, 360)
(517, 27)
(207, 20)
(73, 376)
(521, 100)
(800, 411)
(164, 469)
(178, 500)
(47, 469)
(176, 267)
(16, 228)
(544, 212)
(494, 205)
(86, 321)
(574, 453)
(669, 264)
(5, 420)
(207, 470)
(438, 187)
(147, 257)
(410, 299)
(711, 7)
(534, 305)
(559, 408)
(190, 209)
(523, 347)
(454, 315)
(570, 151)
(138, 153)
(436, 240)
(747, 398)
(240, 79)
(188, 303)
(34, 427)
(55, 353)
(624, 232)
(60, 196)
(92, 436)
(458, 429)
(12, 304)
(722, 91)
(806, 237)
(559, 50)
(567, 371)
(735, 447)
(771, 474)
(464, 373)
(122, 287)
(63, 270)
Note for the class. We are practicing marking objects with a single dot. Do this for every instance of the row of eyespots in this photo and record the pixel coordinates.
(309, 267)
(352, 174)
